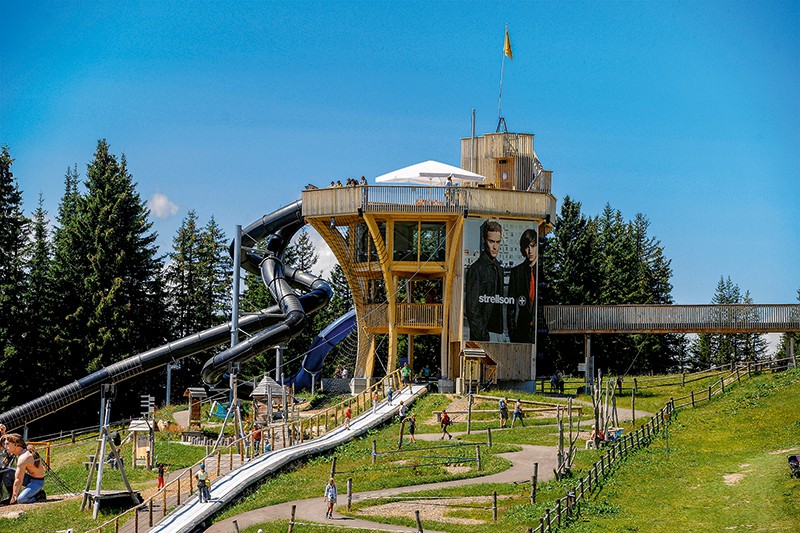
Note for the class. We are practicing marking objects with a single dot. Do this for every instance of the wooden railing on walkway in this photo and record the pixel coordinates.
(586, 319)
(433, 199)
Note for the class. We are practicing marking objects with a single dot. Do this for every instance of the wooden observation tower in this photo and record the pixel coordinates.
(406, 250)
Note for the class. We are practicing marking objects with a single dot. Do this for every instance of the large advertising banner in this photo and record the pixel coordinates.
(500, 271)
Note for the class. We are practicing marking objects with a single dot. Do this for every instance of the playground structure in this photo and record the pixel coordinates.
(390, 238)
(390, 241)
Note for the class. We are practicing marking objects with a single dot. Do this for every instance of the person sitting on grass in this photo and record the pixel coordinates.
(29, 473)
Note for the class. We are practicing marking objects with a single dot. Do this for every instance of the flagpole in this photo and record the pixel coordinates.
(502, 71)
(500, 98)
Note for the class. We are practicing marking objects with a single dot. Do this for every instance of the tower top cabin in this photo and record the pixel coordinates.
(508, 161)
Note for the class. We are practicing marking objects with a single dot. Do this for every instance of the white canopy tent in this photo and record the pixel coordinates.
(430, 173)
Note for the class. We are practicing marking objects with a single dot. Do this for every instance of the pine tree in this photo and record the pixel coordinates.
(216, 270)
(659, 353)
(753, 345)
(184, 280)
(301, 254)
(68, 333)
(198, 277)
(783, 346)
(13, 240)
(122, 300)
(571, 273)
(40, 302)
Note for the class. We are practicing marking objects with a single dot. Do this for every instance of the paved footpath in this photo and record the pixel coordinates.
(313, 509)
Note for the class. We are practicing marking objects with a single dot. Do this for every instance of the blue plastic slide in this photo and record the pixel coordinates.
(321, 347)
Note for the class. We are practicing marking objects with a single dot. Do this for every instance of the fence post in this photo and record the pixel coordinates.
(534, 481)
(683, 379)
(419, 522)
(349, 492)
(179, 492)
(709, 393)
(489, 437)
(478, 457)
(469, 415)
(494, 506)
(236, 526)
(150, 513)
(291, 520)
(374, 451)
(722, 383)
(558, 512)
(633, 408)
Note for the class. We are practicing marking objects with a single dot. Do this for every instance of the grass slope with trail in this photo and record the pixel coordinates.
(726, 469)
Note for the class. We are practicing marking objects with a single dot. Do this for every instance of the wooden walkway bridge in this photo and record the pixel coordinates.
(587, 319)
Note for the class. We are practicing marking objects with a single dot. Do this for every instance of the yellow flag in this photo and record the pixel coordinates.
(507, 46)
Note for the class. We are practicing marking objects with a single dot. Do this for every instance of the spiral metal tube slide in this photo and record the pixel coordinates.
(282, 321)
(130, 367)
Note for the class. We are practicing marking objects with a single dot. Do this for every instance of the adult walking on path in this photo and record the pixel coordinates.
(313, 511)
(518, 414)
(331, 494)
(503, 404)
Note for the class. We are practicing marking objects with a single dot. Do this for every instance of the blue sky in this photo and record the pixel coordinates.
(688, 112)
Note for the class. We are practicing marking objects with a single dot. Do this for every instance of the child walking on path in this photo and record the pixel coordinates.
(348, 414)
(412, 427)
(330, 497)
(445, 423)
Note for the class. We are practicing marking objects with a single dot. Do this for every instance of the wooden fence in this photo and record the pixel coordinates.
(566, 508)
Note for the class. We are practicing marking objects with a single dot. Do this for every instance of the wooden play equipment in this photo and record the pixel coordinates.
(401, 248)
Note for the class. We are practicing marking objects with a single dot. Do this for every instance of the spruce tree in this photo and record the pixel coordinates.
(13, 241)
(198, 276)
(783, 346)
(571, 272)
(184, 280)
(216, 270)
(753, 345)
(68, 348)
(121, 303)
(40, 301)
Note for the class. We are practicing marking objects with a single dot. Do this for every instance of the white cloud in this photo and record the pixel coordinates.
(161, 206)
(326, 259)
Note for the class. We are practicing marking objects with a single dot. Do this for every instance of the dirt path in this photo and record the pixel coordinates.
(313, 509)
